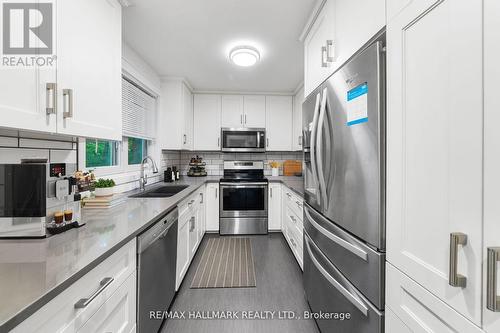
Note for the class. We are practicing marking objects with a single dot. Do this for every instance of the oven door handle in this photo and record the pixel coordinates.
(240, 185)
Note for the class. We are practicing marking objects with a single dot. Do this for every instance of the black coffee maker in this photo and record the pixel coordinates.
(167, 175)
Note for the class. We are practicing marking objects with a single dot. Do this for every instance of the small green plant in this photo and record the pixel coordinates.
(104, 183)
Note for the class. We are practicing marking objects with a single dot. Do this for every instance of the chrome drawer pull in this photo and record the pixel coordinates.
(492, 299)
(455, 279)
(83, 302)
(51, 98)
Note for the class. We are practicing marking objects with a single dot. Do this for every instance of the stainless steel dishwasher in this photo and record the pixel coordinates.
(156, 260)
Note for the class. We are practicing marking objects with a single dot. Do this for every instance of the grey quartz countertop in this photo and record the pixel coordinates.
(32, 272)
(292, 182)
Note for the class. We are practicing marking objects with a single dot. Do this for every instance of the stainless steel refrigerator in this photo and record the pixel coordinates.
(344, 214)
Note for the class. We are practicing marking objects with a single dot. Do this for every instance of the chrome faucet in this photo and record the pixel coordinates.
(144, 178)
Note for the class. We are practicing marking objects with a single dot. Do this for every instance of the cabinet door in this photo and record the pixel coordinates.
(212, 207)
(356, 22)
(298, 99)
(182, 248)
(418, 309)
(89, 68)
(118, 313)
(491, 319)
(207, 115)
(193, 234)
(24, 98)
(188, 118)
(274, 206)
(201, 215)
(254, 111)
(232, 111)
(315, 66)
(279, 114)
(434, 147)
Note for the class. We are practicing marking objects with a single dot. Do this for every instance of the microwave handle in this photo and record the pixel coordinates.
(258, 139)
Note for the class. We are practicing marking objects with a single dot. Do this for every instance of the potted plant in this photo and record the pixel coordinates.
(275, 171)
(104, 187)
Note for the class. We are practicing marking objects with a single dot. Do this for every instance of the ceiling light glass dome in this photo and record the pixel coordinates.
(244, 56)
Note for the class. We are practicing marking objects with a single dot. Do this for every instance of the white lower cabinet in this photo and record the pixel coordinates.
(182, 249)
(117, 314)
(212, 207)
(274, 207)
(190, 231)
(112, 310)
(418, 309)
(292, 222)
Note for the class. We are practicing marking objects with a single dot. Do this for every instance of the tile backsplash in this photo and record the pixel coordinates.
(215, 160)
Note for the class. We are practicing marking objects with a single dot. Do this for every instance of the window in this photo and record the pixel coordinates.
(101, 153)
(137, 150)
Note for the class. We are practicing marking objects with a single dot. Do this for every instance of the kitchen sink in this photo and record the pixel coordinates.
(161, 192)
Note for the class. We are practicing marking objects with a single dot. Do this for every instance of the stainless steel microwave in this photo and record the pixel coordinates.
(243, 140)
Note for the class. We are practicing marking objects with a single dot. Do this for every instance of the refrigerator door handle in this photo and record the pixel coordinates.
(313, 146)
(339, 241)
(319, 144)
(344, 291)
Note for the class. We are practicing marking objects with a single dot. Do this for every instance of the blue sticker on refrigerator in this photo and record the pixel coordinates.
(357, 105)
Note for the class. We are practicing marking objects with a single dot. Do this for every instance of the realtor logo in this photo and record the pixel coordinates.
(27, 28)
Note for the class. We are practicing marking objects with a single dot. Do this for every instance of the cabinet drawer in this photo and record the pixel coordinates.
(420, 310)
(188, 204)
(60, 314)
(294, 242)
(118, 313)
(294, 202)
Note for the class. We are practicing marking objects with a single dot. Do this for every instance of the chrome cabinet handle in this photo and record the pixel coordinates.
(300, 140)
(68, 95)
(83, 302)
(455, 279)
(245, 119)
(492, 299)
(298, 204)
(216, 193)
(267, 142)
(343, 290)
(329, 50)
(218, 142)
(324, 64)
(293, 219)
(185, 138)
(51, 98)
(201, 195)
(192, 223)
(271, 191)
(241, 119)
(293, 242)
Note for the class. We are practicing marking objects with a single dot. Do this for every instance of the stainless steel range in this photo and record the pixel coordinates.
(243, 200)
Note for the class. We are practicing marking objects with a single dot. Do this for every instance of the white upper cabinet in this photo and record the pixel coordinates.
(89, 68)
(207, 122)
(340, 29)
(187, 96)
(279, 114)
(85, 99)
(298, 99)
(175, 129)
(243, 111)
(434, 149)
(254, 111)
(491, 238)
(25, 97)
(232, 111)
(319, 47)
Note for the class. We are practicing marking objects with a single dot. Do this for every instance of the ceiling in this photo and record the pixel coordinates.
(192, 39)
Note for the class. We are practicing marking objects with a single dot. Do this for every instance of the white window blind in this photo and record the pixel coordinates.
(138, 111)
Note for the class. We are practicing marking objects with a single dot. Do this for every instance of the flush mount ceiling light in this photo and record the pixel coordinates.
(244, 56)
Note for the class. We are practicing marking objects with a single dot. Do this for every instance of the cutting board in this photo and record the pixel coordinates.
(290, 168)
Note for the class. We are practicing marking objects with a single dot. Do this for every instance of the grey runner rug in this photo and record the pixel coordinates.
(226, 262)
